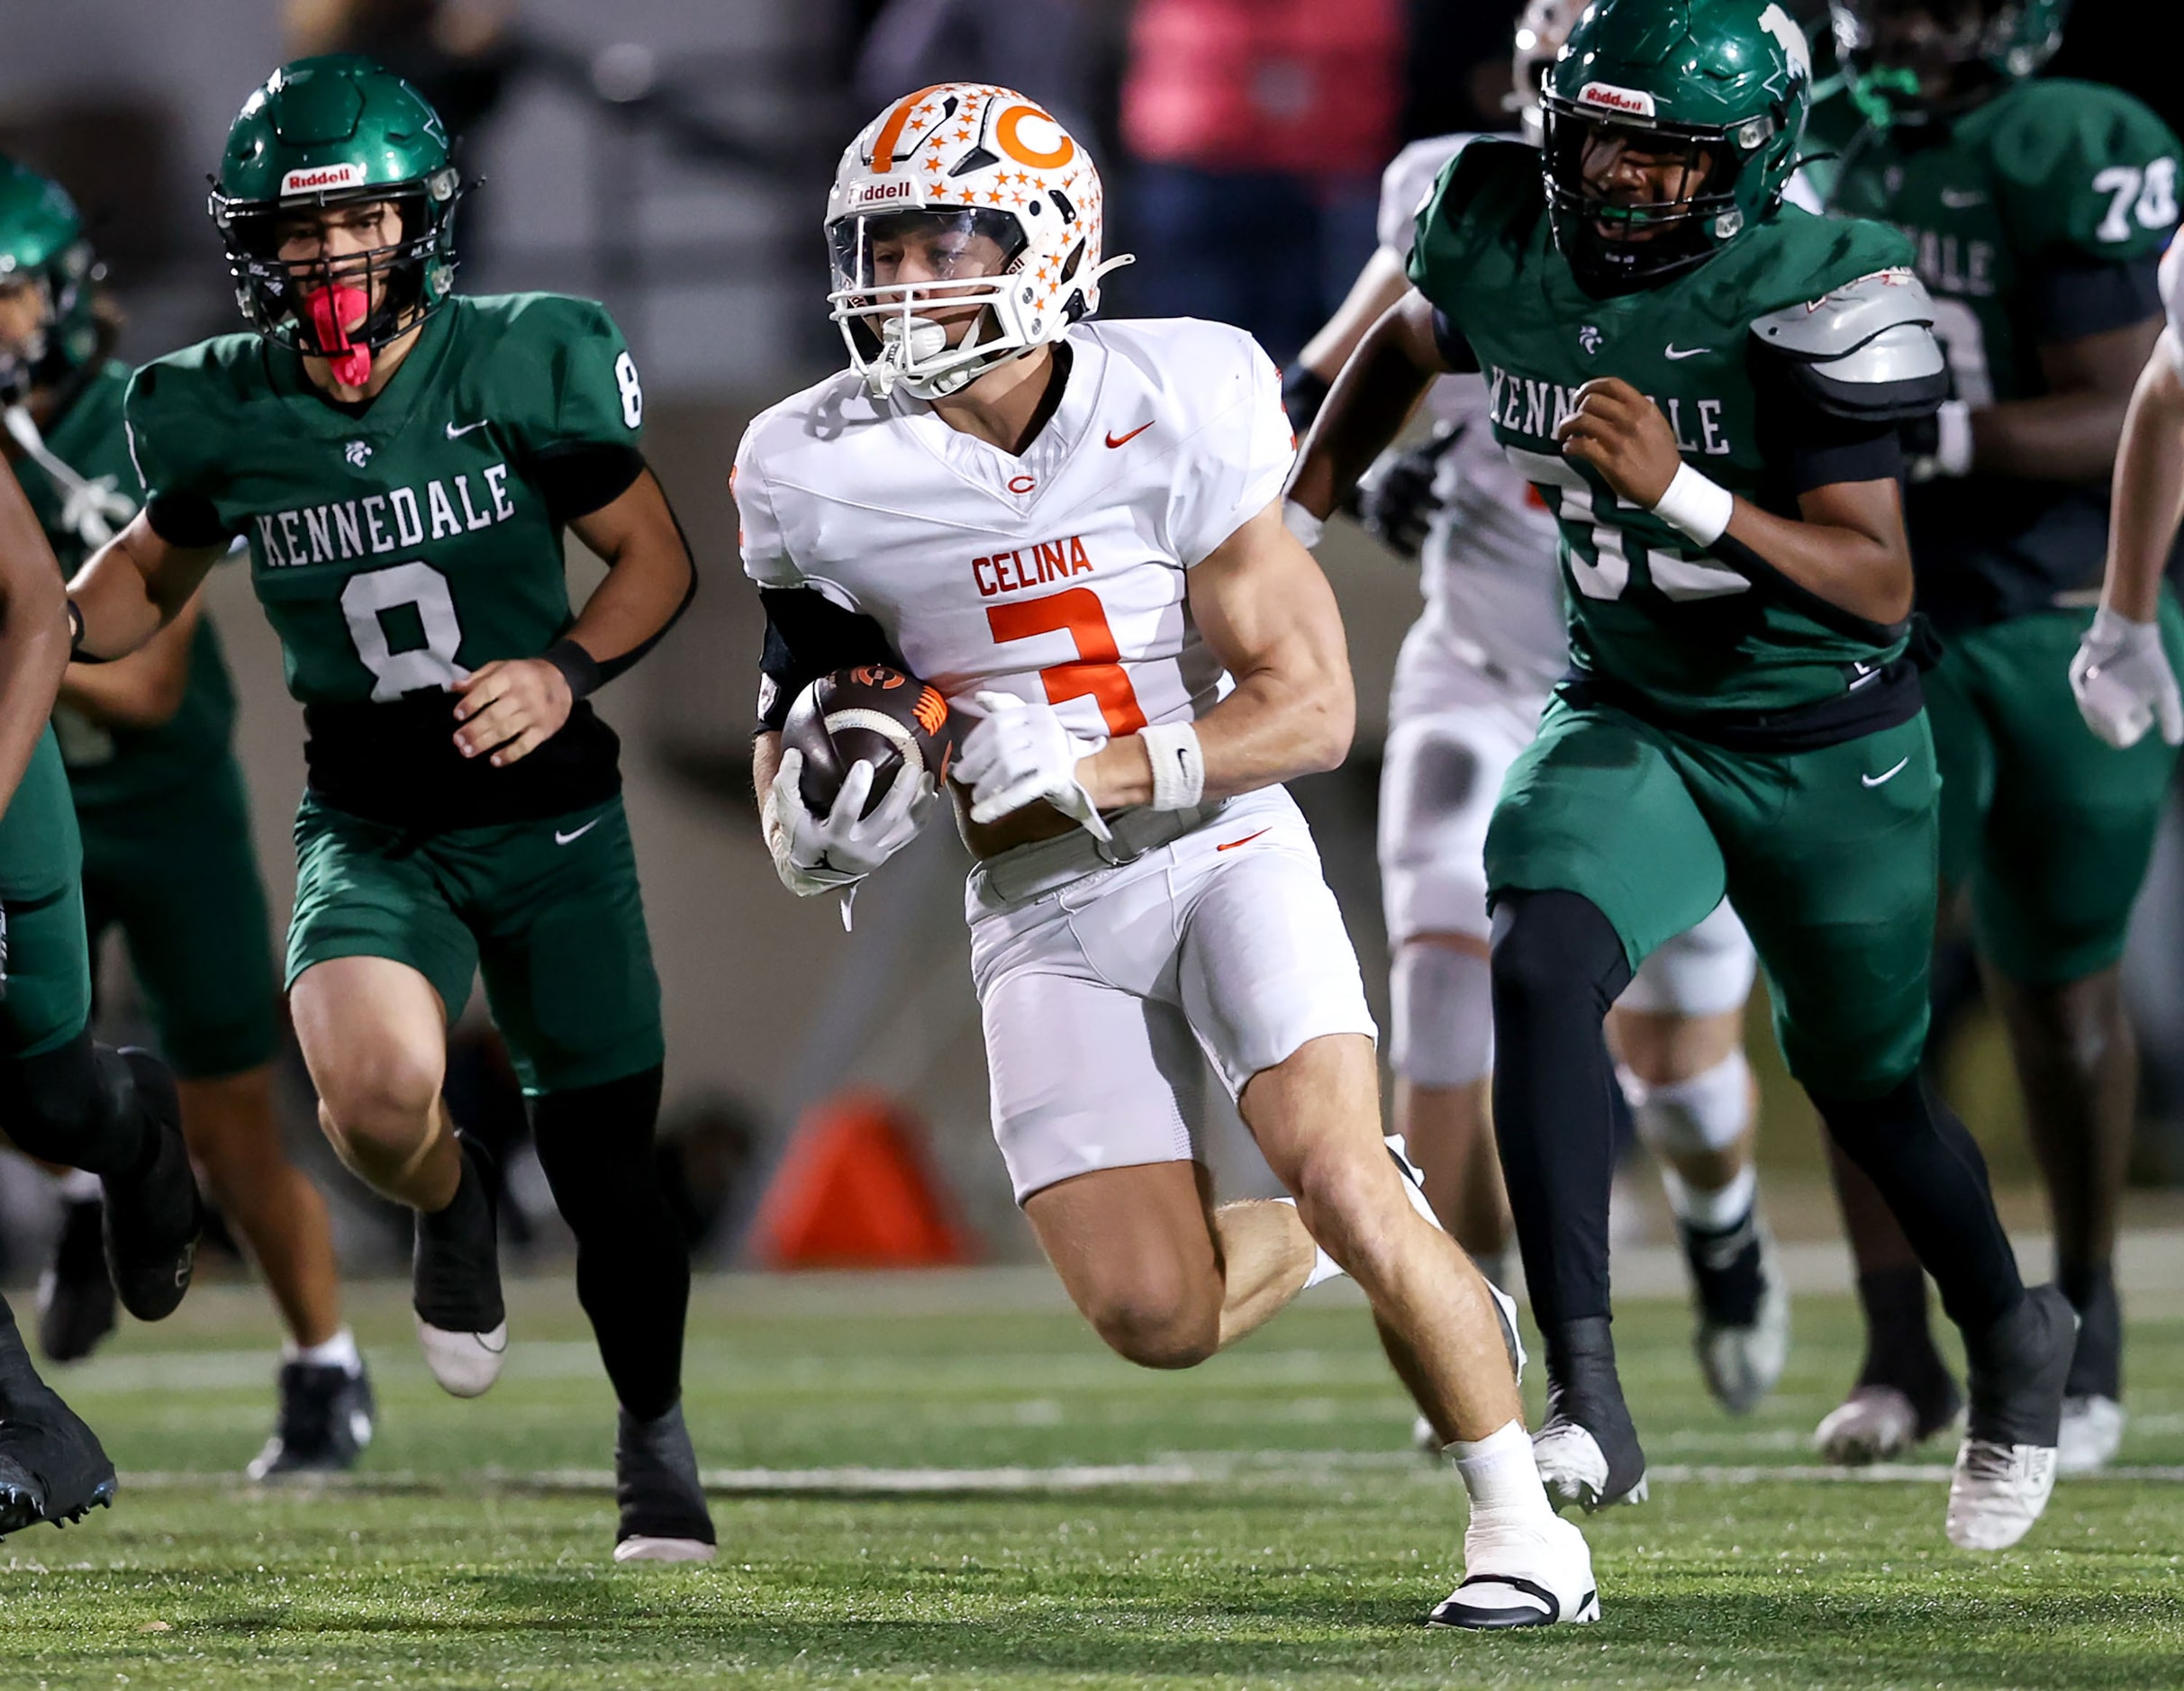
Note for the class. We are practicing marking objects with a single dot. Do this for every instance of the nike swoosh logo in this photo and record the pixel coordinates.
(1676, 355)
(1958, 200)
(1887, 775)
(1114, 439)
(562, 839)
(457, 434)
(1230, 845)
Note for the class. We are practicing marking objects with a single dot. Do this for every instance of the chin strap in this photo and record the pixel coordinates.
(351, 364)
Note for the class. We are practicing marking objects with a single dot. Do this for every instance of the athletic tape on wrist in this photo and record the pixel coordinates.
(1179, 766)
(1301, 523)
(1695, 506)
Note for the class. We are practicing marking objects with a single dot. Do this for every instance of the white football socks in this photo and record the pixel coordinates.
(1715, 1211)
(338, 1351)
(1499, 1475)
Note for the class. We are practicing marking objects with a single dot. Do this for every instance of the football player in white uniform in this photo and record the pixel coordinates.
(1474, 677)
(1073, 531)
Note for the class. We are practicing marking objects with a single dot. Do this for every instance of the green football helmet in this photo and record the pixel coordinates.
(1912, 61)
(1719, 88)
(43, 248)
(337, 131)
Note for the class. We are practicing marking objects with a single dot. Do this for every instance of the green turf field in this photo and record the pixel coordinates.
(950, 1484)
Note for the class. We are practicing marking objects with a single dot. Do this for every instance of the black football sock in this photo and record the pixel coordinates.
(78, 1106)
(1900, 1348)
(1557, 966)
(595, 1144)
(1929, 1169)
(2097, 1368)
(19, 1378)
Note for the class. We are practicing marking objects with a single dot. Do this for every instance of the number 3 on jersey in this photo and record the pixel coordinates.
(366, 601)
(1097, 674)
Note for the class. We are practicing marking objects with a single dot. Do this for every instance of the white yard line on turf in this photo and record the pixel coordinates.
(1256, 1470)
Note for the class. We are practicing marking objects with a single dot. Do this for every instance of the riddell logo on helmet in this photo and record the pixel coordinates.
(320, 176)
(902, 191)
(1615, 99)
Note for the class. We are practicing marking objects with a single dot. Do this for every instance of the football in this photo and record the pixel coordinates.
(873, 712)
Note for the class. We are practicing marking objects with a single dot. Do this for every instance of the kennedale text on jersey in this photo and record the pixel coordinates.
(1523, 406)
(384, 523)
(1033, 565)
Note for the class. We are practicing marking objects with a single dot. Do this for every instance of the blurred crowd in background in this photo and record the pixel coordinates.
(671, 158)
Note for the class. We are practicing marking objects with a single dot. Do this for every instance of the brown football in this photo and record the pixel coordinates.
(873, 712)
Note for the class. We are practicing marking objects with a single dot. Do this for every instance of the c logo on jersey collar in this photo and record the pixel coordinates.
(1021, 483)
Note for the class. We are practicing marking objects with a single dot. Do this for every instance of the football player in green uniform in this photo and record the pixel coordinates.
(1705, 385)
(160, 806)
(62, 1096)
(402, 463)
(2036, 210)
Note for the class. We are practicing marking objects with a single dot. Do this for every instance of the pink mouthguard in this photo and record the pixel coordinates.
(328, 306)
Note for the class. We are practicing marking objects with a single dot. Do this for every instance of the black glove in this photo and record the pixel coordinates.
(1395, 498)
(1302, 395)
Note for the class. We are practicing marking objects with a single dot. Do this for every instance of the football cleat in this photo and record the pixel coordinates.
(2005, 1467)
(75, 1306)
(153, 1216)
(1743, 1337)
(1876, 1423)
(1587, 1449)
(1575, 1468)
(52, 1467)
(1534, 1573)
(2092, 1431)
(657, 1489)
(326, 1420)
(455, 1282)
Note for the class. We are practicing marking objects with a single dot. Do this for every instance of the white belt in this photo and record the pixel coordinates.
(1024, 872)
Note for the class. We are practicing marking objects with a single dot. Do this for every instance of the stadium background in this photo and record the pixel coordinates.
(670, 157)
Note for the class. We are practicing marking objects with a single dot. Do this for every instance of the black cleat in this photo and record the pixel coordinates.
(1743, 1336)
(1586, 1448)
(154, 1215)
(454, 1281)
(326, 1421)
(664, 1517)
(51, 1465)
(76, 1294)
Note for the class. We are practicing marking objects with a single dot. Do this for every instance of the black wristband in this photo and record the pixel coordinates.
(578, 668)
(76, 655)
(1303, 392)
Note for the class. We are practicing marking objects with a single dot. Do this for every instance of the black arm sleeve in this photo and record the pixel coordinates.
(583, 476)
(1453, 346)
(186, 519)
(807, 635)
(1809, 446)
(2085, 297)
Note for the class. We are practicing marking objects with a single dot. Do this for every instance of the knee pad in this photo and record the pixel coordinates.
(70, 1106)
(1442, 1008)
(1556, 946)
(1707, 1111)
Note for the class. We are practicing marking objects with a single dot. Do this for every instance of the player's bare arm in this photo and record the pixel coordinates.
(135, 585)
(1395, 364)
(512, 706)
(1378, 287)
(143, 690)
(1264, 607)
(2068, 433)
(34, 634)
(1848, 543)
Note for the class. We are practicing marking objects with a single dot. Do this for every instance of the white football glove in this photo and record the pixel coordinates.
(2123, 684)
(1022, 754)
(814, 855)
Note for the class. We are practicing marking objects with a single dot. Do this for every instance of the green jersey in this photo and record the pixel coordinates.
(112, 768)
(2037, 218)
(1650, 610)
(399, 544)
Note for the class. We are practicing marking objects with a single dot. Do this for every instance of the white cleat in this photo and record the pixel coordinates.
(464, 1363)
(1535, 1573)
(642, 1548)
(2092, 1431)
(1998, 1492)
(1743, 1365)
(1871, 1424)
(1575, 1468)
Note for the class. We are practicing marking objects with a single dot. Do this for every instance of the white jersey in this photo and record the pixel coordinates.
(2172, 293)
(1492, 585)
(1057, 575)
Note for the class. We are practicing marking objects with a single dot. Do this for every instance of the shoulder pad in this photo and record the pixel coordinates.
(1865, 351)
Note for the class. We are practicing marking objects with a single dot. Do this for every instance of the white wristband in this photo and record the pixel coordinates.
(1301, 523)
(1953, 446)
(1179, 767)
(1696, 507)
